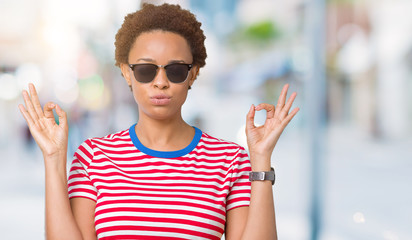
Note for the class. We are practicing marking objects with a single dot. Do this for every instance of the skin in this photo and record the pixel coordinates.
(160, 128)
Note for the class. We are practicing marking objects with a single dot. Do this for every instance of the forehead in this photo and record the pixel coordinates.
(160, 46)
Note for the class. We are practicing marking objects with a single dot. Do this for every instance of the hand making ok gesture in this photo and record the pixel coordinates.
(262, 140)
(50, 136)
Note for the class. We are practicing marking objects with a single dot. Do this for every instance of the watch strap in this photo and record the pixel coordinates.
(262, 176)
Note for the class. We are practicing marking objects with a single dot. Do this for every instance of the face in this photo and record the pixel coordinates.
(160, 99)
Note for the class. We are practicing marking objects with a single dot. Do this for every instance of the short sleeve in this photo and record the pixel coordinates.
(239, 191)
(79, 182)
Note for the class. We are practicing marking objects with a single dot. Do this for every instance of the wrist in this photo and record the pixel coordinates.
(56, 161)
(260, 163)
(260, 154)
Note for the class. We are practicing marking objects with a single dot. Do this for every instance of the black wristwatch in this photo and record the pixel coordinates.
(262, 176)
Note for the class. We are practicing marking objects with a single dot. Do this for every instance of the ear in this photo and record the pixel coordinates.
(195, 70)
(126, 73)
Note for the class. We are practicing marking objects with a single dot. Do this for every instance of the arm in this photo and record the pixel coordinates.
(258, 220)
(83, 211)
(52, 140)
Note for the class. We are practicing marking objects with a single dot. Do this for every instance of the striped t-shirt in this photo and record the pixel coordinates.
(141, 193)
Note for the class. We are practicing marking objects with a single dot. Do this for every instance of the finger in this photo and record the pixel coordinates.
(270, 109)
(26, 115)
(48, 110)
(62, 116)
(282, 99)
(289, 117)
(35, 100)
(288, 105)
(250, 118)
(29, 106)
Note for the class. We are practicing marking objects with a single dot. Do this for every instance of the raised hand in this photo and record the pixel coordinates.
(50, 136)
(262, 140)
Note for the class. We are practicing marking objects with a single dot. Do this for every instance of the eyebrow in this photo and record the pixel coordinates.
(145, 59)
(151, 60)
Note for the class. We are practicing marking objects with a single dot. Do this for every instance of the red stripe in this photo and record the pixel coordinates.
(161, 220)
(209, 193)
(164, 211)
(82, 190)
(111, 144)
(136, 172)
(202, 156)
(165, 195)
(156, 229)
(215, 148)
(182, 186)
(141, 237)
(184, 163)
(238, 199)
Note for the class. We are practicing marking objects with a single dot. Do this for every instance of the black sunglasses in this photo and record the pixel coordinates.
(146, 72)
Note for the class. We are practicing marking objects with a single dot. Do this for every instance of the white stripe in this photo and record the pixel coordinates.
(82, 186)
(223, 151)
(85, 157)
(165, 193)
(82, 194)
(77, 179)
(161, 216)
(165, 162)
(162, 199)
(237, 203)
(159, 206)
(130, 176)
(162, 188)
(166, 182)
(237, 195)
(116, 149)
(135, 167)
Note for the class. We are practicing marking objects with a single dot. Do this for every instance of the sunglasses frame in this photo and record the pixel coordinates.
(157, 70)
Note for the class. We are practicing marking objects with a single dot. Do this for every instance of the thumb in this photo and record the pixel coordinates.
(250, 118)
(48, 110)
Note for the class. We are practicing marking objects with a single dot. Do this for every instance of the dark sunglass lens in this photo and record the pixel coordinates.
(144, 73)
(177, 73)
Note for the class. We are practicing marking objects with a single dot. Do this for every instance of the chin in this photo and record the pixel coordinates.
(162, 114)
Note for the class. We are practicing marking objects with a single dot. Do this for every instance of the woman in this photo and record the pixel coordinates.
(161, 178)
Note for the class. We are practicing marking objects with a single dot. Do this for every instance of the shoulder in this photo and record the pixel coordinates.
(115, 143)
(209, 141)
(113, 138)
(234, 154)
(110, 140)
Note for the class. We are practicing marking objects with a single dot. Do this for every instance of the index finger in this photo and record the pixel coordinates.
(35, 100)
(270, 109)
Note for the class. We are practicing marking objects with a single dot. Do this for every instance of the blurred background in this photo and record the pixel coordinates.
(344, 168)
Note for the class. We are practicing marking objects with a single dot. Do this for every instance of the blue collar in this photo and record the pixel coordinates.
(164, 154)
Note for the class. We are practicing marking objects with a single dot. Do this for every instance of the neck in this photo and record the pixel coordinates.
(164, 135)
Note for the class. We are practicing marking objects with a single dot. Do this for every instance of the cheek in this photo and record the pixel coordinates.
(182, 95)
(138, 93)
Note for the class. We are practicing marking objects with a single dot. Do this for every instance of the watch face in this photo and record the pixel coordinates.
(261, 176)
(257, 176)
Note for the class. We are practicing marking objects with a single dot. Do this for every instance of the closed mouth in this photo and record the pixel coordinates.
(161, 99)
(160, 96)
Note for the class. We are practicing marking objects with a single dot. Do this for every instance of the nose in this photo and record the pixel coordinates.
(160, 80)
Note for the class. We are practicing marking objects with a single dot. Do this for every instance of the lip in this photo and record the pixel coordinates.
(160, 99)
